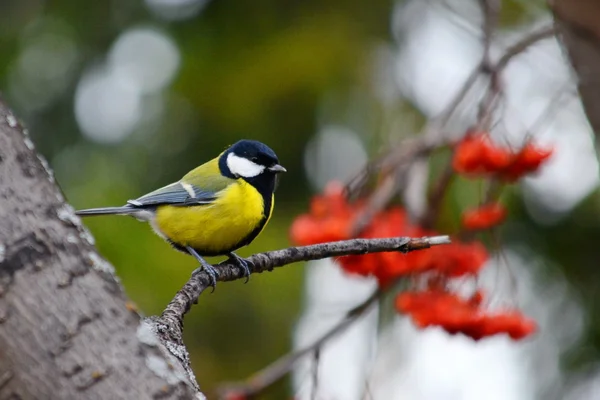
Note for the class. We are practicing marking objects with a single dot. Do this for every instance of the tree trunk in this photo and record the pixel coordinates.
(579, 31)
(66, 331)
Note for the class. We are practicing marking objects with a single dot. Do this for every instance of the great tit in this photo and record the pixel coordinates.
(214, 209)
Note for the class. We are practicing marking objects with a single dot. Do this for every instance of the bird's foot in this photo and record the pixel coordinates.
(242, 263)
(211, 271)
(205, 266)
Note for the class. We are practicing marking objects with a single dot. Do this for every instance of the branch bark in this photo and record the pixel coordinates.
(66, 331)
(170, 324)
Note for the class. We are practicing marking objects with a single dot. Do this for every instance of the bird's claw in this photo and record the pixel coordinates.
(205, 266)
(211, 271)
(242, 263)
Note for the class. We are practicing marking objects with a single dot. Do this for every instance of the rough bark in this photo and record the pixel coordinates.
(66, 331)
(579, 31)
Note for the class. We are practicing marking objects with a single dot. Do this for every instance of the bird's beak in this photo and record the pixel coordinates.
(277, 168)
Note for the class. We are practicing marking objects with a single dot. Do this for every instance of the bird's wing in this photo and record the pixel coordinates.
(178, 193)
(200, 186)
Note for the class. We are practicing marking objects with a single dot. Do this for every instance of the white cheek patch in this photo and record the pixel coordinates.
(243, 167)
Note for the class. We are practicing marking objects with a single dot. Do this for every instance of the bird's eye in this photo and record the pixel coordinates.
(254, 159)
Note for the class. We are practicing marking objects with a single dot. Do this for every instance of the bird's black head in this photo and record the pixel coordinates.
(252, 161)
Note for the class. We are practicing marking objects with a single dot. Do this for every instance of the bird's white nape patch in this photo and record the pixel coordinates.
(243, 167)
(188, 188)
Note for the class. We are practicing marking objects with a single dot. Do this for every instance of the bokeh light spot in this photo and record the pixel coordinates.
(336, 153)
(175, 10)
(146, 57)
(107, 108)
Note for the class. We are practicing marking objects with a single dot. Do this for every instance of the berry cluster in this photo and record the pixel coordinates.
(331, 218)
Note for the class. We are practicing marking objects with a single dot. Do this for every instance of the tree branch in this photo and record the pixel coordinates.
(169, 326)
(398, 161)
(261, 262)
(524, 44)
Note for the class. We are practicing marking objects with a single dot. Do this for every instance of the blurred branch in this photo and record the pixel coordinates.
(395, 164)
(315, 377)
(436, 196)
(377, 201)
(490, 10)
(487, 106)
(277, 370)
(400, 159)
(404, 153)
(524, 44)
(495, 71)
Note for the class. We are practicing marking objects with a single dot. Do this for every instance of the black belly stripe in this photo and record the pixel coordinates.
(265, 187)
(267, 200)
(266, 213)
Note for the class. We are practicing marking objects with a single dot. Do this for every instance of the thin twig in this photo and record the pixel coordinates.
(431, 137)
(460, 96)
(490, 10)
(396, 164)
(495, 91)
(367, 392)
(315, 377)
(406, 152)
(437, 195)
(376, 202)
(524, 44)
(277, 370)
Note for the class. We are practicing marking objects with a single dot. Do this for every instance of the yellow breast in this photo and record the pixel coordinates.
(217, 228)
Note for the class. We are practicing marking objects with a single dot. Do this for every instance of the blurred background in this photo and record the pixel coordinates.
(124, 96)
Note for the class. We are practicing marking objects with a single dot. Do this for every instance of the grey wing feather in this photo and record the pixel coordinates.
(178, 193)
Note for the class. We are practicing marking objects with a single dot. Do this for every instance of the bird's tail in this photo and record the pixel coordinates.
(106, 211)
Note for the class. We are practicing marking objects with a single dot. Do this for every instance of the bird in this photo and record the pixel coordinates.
(215, 209)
